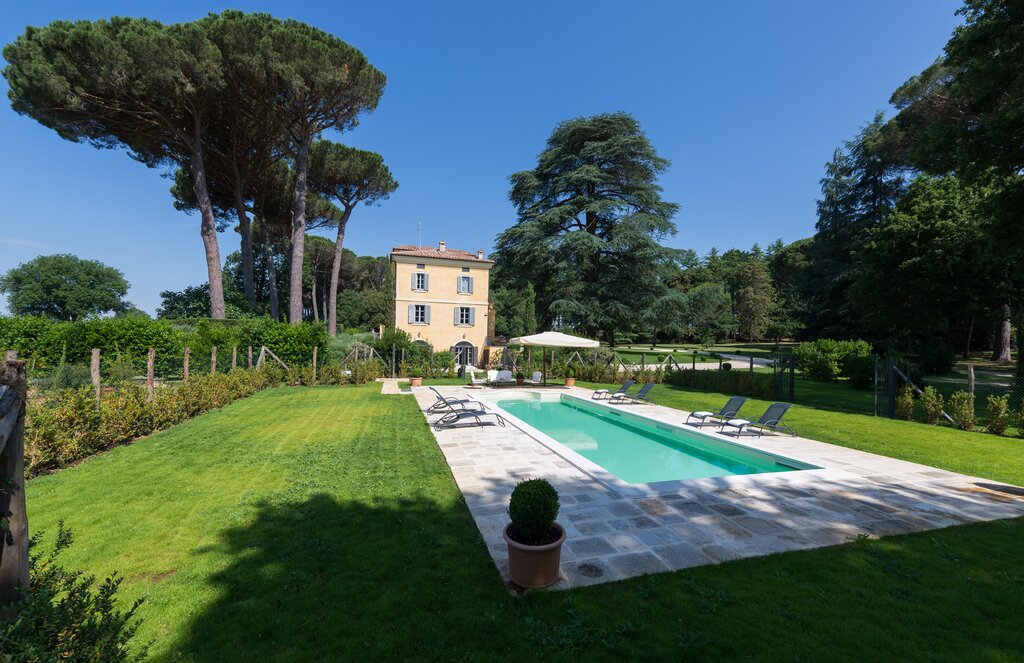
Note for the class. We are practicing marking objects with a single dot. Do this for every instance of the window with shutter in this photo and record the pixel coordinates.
(412, 313)
(472, 316)
(426, 314)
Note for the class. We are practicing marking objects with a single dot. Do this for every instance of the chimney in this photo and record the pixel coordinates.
(440, 245)
(479, 254)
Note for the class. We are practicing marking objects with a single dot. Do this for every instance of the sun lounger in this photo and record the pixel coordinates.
(771, 420)
(453, 417)
(728, 411)
(602, 394)
(442, 402)
(473, 379)
(638, 397)
(536, 378)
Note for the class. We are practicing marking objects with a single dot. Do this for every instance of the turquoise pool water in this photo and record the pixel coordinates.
(637, 451)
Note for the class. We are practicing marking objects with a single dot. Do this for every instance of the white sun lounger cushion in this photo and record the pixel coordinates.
(601, 391)
(738, 422)
(702, 415)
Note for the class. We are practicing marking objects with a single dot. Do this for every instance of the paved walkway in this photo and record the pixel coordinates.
(614, 533)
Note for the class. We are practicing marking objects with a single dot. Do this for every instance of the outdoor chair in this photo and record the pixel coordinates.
(771, 420)
(473, 379)
(639, 397)
(603, 394)
(442, 402)
(536, 378)
(728, 411)
(475, 417)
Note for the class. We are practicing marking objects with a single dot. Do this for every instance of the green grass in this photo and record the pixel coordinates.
(763, 350)
(973, 453)
(322, 523)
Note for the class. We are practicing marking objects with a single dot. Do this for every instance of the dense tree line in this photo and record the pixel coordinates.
(238, 104)
(918, 244)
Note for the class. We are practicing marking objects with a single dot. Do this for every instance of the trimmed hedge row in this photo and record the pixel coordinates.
(49, 342)
(738, 383)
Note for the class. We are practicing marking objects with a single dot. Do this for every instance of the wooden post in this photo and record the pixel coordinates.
(14, 546)
(213, 360)
(751, 363)
(94, 371)
(150, 362)
(694, 360)
(250, 356)
(234, 356)
(315, 348)
(184, 371)
(970, 378)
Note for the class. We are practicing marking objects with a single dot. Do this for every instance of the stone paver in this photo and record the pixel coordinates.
(615, 531)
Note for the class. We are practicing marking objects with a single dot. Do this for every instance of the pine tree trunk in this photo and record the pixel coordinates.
(1003, 332)
(332, 294)
(275, 306)
(245, 230)
(208, 230)
(298, 233)
(312, 299)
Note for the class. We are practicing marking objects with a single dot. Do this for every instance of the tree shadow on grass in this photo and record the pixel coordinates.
(323, 579)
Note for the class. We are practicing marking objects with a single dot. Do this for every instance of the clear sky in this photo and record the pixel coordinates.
(747, 99)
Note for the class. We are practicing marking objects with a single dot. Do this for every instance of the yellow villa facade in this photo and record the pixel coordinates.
(441, 298)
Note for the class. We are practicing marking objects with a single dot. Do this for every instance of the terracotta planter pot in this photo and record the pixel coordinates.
(416, 382)
(570, 382)
(520, 382)
(534, 566)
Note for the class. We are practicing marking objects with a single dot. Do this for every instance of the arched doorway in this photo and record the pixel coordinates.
(465, 353)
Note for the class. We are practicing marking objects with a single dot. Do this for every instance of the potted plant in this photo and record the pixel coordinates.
(534, 538)
(520, 379)
(570, 377)
(416, 380)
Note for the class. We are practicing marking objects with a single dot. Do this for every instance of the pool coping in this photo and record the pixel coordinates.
(612, 481)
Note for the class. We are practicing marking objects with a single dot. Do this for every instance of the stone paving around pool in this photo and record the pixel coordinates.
(613, 534)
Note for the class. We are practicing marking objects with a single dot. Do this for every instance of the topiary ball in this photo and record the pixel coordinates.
(533, 508)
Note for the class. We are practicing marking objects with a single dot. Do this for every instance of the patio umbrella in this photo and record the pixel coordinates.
(553, 339)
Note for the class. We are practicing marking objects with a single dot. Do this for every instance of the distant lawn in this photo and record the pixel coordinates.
(322, 523)
(973, 453)
(762, 350)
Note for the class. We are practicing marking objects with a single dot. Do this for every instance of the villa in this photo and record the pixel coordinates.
(441, 299)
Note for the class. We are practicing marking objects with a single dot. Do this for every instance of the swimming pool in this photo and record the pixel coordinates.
(637, 449)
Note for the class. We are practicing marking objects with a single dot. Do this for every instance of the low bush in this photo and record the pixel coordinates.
(828, 359)
(740, 383)
(67, 376)
(533, 508)
(905, 403)
(67, 616)
(961, 409)
(998, 419)
(932, 404)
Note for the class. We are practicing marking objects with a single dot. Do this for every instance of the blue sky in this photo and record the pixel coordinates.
(747, 99)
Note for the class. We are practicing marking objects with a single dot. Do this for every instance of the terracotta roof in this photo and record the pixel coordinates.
(434, 252)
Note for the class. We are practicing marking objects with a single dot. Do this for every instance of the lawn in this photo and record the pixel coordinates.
(322, 523)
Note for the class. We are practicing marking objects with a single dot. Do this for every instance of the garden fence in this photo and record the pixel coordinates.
(14, 561)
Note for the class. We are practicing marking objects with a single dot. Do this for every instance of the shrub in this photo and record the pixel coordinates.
(961, 409)
(932, 404)
(998, 414)
(66, 616)
(860, 369)
(740, 383)
(827, 359)
(533, 508)
(68, 376)
(726, 366)
(905, 403)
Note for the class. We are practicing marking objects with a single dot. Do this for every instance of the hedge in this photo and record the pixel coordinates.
(737, 383)
(49, 343)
